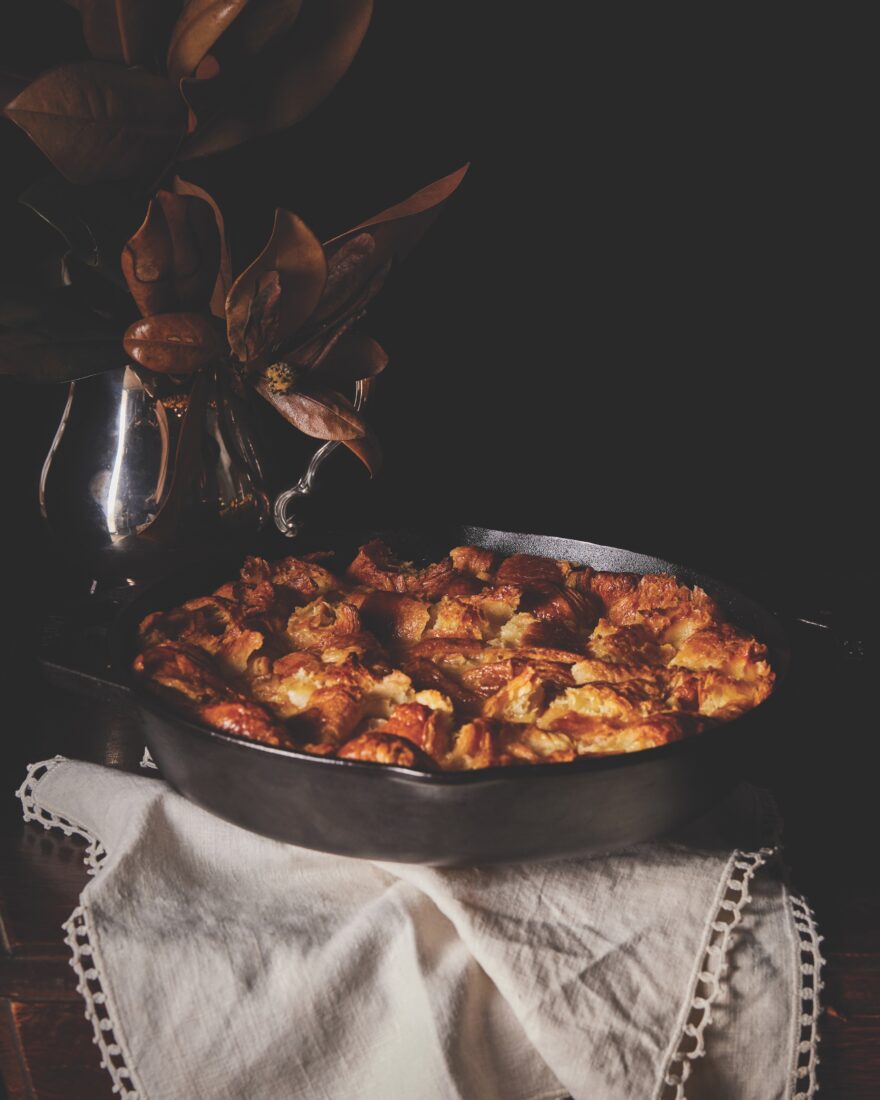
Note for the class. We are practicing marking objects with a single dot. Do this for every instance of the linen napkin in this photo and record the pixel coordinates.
(221, 965)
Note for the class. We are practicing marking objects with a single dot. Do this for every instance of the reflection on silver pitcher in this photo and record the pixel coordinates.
(110, 473)
(120, 486)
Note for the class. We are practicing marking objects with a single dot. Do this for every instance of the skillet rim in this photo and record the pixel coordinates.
(494, 773)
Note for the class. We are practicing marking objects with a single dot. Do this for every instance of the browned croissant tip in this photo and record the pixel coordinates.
(474, 661)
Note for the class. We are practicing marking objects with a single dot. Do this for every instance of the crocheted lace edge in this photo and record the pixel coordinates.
(735, 895)
(708, 982)
(79, 938)
(806, 1051)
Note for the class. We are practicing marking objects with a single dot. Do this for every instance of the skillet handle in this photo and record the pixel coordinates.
(103, 688)
(841, 632)
(77, 645)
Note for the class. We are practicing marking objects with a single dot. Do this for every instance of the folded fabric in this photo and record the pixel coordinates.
(221, 965)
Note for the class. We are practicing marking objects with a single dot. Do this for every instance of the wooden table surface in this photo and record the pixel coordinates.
(46, 1049)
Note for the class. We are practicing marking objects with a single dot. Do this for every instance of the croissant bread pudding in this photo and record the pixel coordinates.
(472, 661)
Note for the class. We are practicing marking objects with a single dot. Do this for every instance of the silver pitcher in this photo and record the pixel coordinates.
(115, 491)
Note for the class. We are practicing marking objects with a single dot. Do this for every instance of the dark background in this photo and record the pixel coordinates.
(643, 320)
(635, 323)
(638, 320)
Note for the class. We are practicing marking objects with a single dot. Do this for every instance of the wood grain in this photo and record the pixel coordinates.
(57, 1060)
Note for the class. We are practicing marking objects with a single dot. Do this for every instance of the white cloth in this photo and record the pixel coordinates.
(217, 964)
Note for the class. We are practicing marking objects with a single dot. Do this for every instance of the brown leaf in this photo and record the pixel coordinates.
(171, 263)
(96, 120)
(124, 30)
(56, 357)
(200, 25)
(95, 220)
(263, 320)
(291, 78)
(48, 336)
(345, 268)
(296, 254)
(351, 359)
(326, 325)
(207, 68)
(202, 91)
(224, 273)
(397, 229)
(175, 343)
(318, 412)
(11, 85)
(358, 260)
(368, 451)
(261, 22)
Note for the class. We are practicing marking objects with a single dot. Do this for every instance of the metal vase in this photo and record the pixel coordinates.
(114, 489)
(123, 490)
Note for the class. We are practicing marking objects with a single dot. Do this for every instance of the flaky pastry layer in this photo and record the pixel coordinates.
(472, 661)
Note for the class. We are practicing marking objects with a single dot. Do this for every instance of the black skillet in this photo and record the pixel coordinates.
(447, 818)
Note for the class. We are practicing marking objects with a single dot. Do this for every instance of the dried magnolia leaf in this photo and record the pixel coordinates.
(329, 325)
(295, 253)
(396, 230)
(95, 221)
(289, 79)
(367, 450)
(47, 337)
(207, 68)
(351, 359)
(202, 91)
(346, 265)
(318, 412)
(171, 263)
(261, 22)
(175, 343)
(124, 30)
(358, 260)
(57, 356)
(421, 202)
(224, 273)
(200, 25)
(96, 120)
(11, 85)
(263, 322)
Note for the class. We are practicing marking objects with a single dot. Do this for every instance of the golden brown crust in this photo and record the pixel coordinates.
(474, 661)
(578, 610)
(247, 720)
(384, 748)
(487, 679)
(478, 744)
(475, 560)
(425, 726)
(183, 669)
(426, 674)
(395, 616)
(529, 571)
(630, 644)
(376, 566)
(520, 700)
(307, 579)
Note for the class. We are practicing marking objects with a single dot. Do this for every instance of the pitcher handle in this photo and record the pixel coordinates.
(284, 507)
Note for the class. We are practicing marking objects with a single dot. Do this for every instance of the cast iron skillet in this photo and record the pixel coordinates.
(448, 818)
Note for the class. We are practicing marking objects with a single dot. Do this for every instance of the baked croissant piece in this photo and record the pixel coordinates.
(473, 661)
